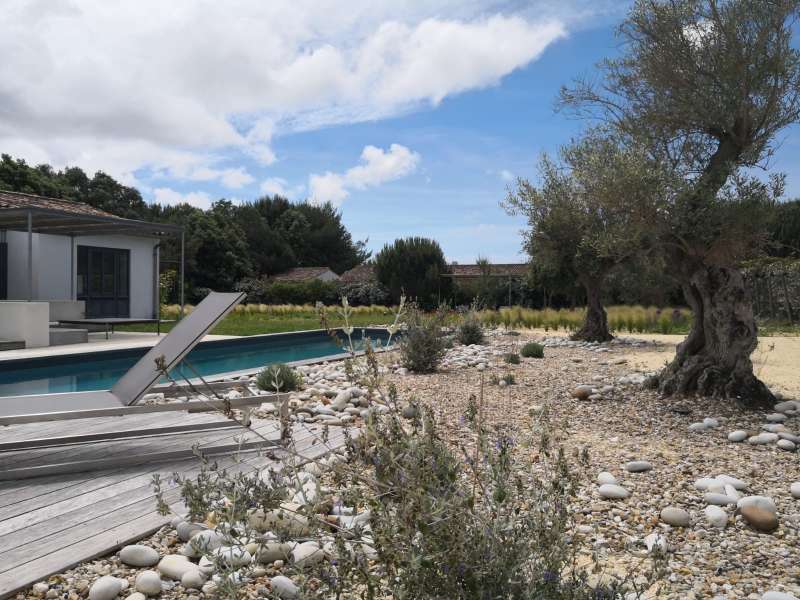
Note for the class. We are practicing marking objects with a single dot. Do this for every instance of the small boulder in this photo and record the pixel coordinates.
(138, 556)
(716, 516)
(606, 477)
(762, 501)
(771, 595)
(105, 588)
(148, 583)
(795, 490)
(307, 554)
(613, 492)
(718, 499)
(759, 518)
(739, 435)
(284, 587)
(787, 445)
(677, 517)
(638, 466)
(193, 580)
(582, 392)
(175, 566)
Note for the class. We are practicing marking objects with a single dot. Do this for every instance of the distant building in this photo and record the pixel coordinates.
(467, 273)
(363, 273)
(303, 274)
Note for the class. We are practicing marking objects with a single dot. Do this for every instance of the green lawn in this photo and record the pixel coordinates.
(254, 323)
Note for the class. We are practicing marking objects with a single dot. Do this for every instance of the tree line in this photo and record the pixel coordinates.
(224, 243)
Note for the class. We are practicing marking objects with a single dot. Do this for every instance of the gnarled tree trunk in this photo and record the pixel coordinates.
(595, 326)
(714, 359)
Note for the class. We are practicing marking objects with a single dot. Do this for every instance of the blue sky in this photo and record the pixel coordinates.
(412, 117)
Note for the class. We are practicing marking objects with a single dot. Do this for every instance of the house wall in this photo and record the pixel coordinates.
(54, 267)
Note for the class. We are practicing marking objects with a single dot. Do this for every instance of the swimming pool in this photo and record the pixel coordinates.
(100, 370)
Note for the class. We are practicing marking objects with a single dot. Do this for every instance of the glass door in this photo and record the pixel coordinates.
(104, 281)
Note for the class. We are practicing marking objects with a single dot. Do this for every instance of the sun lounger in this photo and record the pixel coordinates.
(124, 398)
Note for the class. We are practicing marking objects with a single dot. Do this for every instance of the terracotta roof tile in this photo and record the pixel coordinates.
(19, 200)
(301, 274)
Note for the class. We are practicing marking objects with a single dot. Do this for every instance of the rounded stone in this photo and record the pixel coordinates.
(606, 477)
(638, 466)
(718, 499)
(175, 566)
(739, 435)
(40, 589)
(269, 552)
(136, 596)
(716, 516)
(307, 554)
(186, 530)
(193, 580)
(759, 518)
(737, 484)
(787, 445)
(675, 516)
(233, 556)
(105, 588)
(795, 490)
(284, 587)
(772, 595)
(138, 556)
(612, 491)
(761, 501)
(149, 583)
(582, 392)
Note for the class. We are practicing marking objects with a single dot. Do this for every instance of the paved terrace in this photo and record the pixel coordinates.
(119, 340)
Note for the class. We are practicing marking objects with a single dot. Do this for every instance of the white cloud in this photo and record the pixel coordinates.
(378, 166)
(128, 86)
(274, 186)
(169, 196)
(506, 175)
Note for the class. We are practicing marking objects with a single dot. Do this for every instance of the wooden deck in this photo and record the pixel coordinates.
(51, 523)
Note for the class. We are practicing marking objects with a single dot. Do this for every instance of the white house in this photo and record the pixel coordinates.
(77, 259)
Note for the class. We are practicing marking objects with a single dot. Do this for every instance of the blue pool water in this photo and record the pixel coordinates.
(100, 370)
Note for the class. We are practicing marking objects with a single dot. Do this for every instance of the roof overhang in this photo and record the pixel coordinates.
(55, 222)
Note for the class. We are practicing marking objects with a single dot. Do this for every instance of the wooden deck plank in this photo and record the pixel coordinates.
(19, 458)
(66, 493)
(71, 520)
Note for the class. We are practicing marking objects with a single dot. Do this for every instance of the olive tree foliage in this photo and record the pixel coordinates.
(708, 85)
(595, 208)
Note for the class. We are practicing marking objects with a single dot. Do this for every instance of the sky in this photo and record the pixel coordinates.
(413, 117)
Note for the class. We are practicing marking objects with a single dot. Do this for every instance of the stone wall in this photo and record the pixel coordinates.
(775, 286)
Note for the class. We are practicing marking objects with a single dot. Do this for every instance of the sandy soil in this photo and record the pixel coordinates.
(776, 360)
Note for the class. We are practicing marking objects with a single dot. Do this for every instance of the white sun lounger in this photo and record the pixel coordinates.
(122, 399)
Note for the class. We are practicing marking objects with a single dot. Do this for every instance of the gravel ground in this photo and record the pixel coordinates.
(622, 423)
(634, 424)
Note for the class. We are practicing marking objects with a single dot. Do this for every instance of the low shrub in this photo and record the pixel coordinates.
(423, 343)
(470, 330)
(264, 291)
(532, 350)
(512, 358)
(279, 377)
(509, 379)
(365, 293)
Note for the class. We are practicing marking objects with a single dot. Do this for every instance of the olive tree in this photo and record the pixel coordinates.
(708, 84)
(594, 209)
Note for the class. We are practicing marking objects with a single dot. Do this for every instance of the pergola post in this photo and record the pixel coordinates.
(157, 281)
(182, 271)
(72, 273)
(30, 256)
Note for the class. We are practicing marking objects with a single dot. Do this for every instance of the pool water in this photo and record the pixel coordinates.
(100, 370)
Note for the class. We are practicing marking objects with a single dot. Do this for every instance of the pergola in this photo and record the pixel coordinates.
(38, 214)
